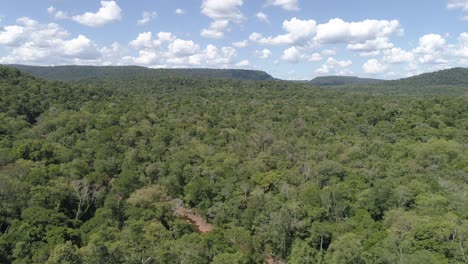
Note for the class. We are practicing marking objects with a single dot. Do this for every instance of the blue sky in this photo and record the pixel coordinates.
(290, 39)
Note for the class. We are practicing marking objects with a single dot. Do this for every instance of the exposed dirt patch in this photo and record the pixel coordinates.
(196, 220)
(271, 260)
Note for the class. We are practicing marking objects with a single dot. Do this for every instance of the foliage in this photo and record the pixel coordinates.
(342, 80)
(89, 171)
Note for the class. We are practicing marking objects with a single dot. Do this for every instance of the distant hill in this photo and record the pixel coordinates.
(342, 80)
(454, 76)
(27, 96)
(75, 73)
(445, 82)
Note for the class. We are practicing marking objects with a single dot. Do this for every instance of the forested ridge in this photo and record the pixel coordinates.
(342, 80)
(445, 82)
(76, 73)
(90, 172)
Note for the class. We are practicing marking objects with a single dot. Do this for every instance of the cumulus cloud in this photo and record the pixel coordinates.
(363, 36)
(183, 48)
(329, 52)
(57, 14)
(371, 45)
(431, 50)
(335, 66)
(458, 4)
(240, 44)
(338, 31)
(397, 55)
(296, 55)
(146, 17)
(167, 49)
(299, 33)
(180, 11)
(292, 55)
(34, 43)
(373, 66)
(216, 29)
(223, 10)
(462, 49)
(113, 54)
(430, 43)
(243, 64)
(263, 54)
(262, 17)
(222, 13)
(290, 5)
(108, 13)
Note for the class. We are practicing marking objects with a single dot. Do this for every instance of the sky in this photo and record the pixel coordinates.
(289, 39)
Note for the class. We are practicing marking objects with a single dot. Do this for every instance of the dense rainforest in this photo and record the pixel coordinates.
(342, 80)
(92, 171)
(75, 72)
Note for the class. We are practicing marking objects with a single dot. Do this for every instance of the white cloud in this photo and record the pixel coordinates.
(51, 10)
(57, 14)
(363, 36)
(430, 43)
(183, 48)
(112, 55)
(369, 53)
(223, 10)
(292, 55)
(164, 37)
(262, 17)
(315, 57)
(432, 59)
(180, 11)
(339, 31)
(290, 5)
(373, 66)
(432, 49)
(143, 41)
(11, 35)
(243, 63)
(216, 30)
(263, 54)
(299, 33)
(145, 57)
(166, 49)
(240, 44)
(335, 66)
(462, 49)
(371, 45)
(329, 52)
(458, 4)
(397, 55)
(298, 54)
(146, 17)
(34, 43)
(222, 13)
(108, 13)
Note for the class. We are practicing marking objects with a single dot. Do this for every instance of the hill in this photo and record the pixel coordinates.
(342, 80)
(454, 76)
(26, 97)
(75, 73)
(445, 82)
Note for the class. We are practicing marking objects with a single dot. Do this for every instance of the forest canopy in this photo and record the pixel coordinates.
(90, 171)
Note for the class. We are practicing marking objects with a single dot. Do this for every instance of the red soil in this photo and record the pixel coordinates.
(202, 225)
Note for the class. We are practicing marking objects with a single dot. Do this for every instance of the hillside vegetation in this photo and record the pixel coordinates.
(342, 80)
(446, 82)
(90, 173)
(75, 73)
